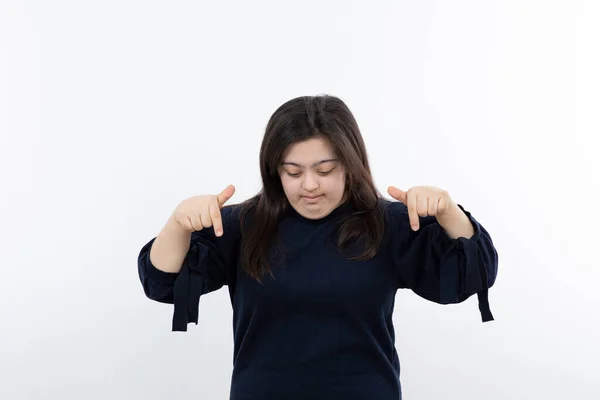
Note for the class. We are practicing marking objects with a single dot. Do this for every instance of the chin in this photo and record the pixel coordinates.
(316, 211)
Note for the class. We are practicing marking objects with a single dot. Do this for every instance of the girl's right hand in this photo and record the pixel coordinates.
(198, 212)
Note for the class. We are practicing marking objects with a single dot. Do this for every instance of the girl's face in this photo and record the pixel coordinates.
(313, 178)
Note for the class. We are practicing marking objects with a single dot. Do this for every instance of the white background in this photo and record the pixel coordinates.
(113, 112)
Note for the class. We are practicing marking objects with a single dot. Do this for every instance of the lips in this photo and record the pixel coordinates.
(311, 199)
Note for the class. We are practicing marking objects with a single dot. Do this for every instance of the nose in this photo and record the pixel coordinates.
(310, 183)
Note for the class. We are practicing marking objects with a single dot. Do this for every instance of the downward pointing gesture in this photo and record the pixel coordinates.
(199, 212)
(215, 209)
(423, 201)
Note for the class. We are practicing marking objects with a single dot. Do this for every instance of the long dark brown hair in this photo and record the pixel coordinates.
(297, 120)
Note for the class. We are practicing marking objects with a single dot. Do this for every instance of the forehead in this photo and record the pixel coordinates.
(309, 151)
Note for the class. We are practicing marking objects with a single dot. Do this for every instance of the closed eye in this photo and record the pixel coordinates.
(322, 173)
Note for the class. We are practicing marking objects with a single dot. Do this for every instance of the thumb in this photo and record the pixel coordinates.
(398, 194)
(225, 195)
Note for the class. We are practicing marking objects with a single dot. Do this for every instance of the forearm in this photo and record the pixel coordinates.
(456, 223)
(170, 247)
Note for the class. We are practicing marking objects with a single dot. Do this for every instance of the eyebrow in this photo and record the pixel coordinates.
(313, 165)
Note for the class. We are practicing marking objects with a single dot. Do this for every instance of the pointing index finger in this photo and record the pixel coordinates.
(413, 215)
(215, 216)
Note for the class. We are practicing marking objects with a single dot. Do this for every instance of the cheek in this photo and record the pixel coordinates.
(339, 184)
(334, 187)
(289, 185)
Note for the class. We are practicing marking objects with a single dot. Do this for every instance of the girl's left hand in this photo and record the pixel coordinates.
(423, 201)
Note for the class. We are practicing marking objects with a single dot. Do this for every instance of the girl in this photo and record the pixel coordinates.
(314, 260)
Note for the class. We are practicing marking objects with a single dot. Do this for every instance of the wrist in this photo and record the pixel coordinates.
(174, 228)
(456, 223)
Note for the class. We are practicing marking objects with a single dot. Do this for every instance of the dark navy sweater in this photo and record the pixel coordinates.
(321, 327)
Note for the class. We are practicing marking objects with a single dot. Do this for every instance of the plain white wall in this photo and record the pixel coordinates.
(112, 112)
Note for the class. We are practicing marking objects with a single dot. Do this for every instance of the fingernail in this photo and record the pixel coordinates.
(219, 233)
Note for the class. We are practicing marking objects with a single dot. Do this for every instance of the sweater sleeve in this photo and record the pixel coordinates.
(209, 265)
(439, 268)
